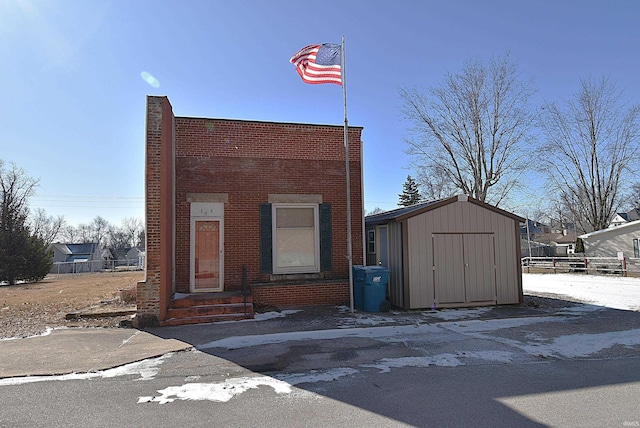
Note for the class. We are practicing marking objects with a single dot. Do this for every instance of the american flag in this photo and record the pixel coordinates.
(319, 63)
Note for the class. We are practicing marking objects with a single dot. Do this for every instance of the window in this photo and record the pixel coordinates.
(371, 241)
(636, 249)
(285, 237)
(296, 243)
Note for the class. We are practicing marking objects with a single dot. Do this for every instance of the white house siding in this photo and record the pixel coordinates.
(608, 242)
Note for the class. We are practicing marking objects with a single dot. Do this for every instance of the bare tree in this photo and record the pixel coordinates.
(99, 230)
(69, 234)
(84, 234)
(133, 226)
(48, 228)
(591, 144)
(119, 240)
(635, 195)
(376, 210)
(434, 184)
(472, 127)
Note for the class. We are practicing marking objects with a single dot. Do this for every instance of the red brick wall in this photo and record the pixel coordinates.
(153, 294)
(302, 295)
(247, 161)
(250, 160)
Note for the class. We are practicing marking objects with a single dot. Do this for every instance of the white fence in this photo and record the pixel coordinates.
(587, 265)
(97, 266)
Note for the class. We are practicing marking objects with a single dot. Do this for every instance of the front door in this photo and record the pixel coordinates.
(207, 228)
(207, 255)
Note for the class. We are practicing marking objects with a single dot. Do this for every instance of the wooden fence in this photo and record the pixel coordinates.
(586, 265)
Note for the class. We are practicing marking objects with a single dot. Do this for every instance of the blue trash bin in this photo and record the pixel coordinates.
(369, 287)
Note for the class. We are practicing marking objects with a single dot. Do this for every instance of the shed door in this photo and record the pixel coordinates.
(383, 246)
(448, 268)
(479, 261)
(464, 268)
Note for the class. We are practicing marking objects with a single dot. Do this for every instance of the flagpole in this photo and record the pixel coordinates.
(346, 151)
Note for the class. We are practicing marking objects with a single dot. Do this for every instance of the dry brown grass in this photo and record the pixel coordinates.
(28, 309)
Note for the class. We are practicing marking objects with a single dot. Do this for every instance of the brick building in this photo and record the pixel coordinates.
(242, 213)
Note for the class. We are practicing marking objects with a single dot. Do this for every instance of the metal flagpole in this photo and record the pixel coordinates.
(346, 151)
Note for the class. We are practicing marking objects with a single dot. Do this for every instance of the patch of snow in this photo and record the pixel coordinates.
(456, 314)
(271, 315)
(476, 326)
(612, 292)
(389, 332)
(583, 345)
(365, 319)
(146, 369)
(219, 392)
(316, 376)
(177, 296)
(225, 391)
(46, 332)
(441, 360)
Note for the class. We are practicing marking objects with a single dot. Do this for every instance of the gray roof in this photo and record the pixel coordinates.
(384, 217)
(634, 214)
(75, 251)
(413, 210)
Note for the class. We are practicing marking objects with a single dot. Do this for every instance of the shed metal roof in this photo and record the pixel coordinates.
(414, 210)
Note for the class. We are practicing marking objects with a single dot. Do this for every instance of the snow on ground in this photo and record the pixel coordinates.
(597, 291)
(46, 332)
(610, 291)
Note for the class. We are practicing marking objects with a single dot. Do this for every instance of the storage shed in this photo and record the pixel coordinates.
(454, 252)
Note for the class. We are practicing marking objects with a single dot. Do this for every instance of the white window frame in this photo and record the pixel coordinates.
(371, 241)
(316, 236)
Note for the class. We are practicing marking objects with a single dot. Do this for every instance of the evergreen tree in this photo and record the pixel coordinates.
(23, 256)
(410, 194)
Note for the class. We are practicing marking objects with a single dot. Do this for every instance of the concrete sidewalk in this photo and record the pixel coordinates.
(83, 350)
(79, 350)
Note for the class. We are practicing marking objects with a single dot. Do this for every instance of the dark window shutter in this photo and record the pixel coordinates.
(326, 247)
(266, 239)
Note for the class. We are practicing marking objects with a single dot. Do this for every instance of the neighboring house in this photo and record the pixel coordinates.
(530, 229)
(123, 258)
(622, 218)
(559, 244)
(76, 258)
(240, 211)
(535, 249)
(106, 255)
(454, 252)
(613, 240)
(135, 257)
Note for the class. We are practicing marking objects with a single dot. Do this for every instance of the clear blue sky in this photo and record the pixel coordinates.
(72, 97)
